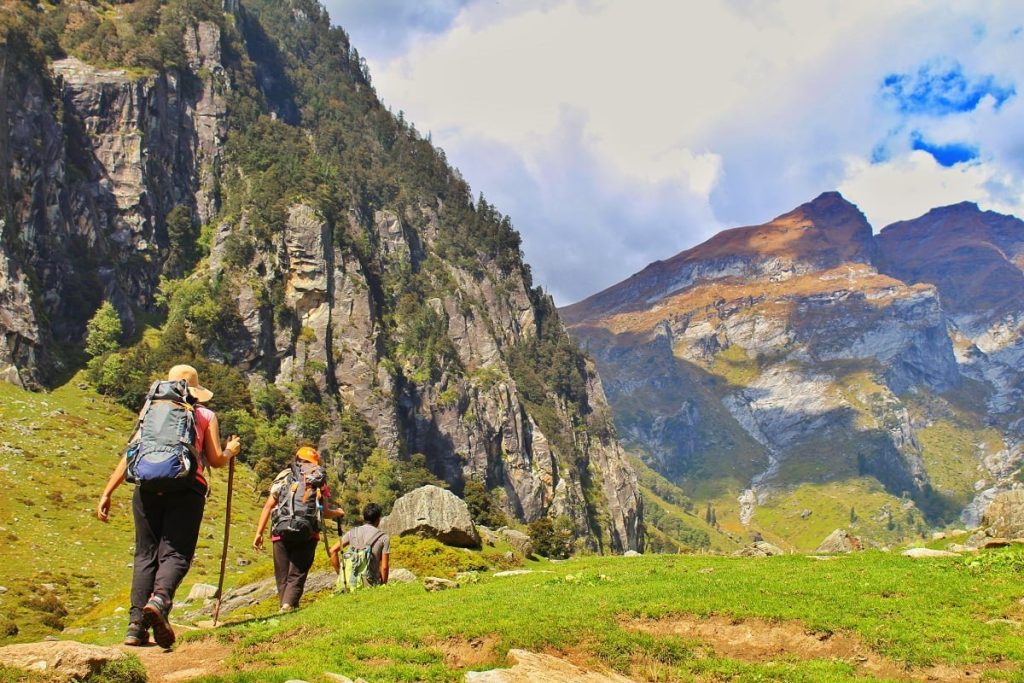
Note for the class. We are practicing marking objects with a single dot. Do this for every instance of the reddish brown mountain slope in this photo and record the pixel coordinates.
(818, 235)
(975, 258)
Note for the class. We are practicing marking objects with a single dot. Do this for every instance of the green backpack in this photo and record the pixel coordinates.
(356, 567)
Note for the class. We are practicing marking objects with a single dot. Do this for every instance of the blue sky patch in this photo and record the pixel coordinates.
(949, 154)
(941, 88)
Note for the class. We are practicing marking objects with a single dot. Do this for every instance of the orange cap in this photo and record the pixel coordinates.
(308, 454)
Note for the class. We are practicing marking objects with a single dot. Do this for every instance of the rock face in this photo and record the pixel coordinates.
(93, 161)
(364, 292)
(432, 512)
(63, 659)
(808, 352)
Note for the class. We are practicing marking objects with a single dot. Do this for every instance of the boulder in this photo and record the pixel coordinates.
(530, 667)
(432, 512)
(434, 583)
(839, 541)
(760, 549)
(518, 540)
(927, 552)
(62, 659)
(401, 576)
(201, 591)
(1004, 516)
(631, 553)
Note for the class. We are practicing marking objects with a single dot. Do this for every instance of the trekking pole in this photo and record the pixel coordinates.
(227, 535)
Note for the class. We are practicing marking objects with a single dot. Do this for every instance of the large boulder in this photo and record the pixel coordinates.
(761, 549)
(518, 540)
(432, 512)
(1004, 516)
(65, 660)
(839, 541)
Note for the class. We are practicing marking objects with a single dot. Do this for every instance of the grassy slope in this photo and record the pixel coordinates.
(56, 452)
(659, 492)
(915, 612)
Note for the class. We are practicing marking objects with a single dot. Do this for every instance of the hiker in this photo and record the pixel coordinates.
(170, 495)
(298, 497)
(368, 559)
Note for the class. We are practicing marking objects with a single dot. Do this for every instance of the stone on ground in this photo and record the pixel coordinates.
(62, 659)
(432, 512)
(1004, 516)
(201, 591)
(434, 583)
(518, 540)
(401, 576)
(530, 667)
(760, 549)
(839, 541)
(631, 553)
(927, 552)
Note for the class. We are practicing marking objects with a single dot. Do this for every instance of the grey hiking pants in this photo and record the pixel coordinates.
(166, 533)
(292, 560)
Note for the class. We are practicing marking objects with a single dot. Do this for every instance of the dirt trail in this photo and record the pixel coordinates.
(756, 640)
(185, 662)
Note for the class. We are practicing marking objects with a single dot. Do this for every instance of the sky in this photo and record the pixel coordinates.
(615, 133)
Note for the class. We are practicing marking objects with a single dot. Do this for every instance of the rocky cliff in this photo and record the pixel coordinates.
(804, 369)
(343, 268)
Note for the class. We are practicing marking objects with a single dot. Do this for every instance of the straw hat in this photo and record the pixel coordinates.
(191, 377)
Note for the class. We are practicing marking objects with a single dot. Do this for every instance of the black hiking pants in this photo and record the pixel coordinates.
(292, 560)
(166, 533)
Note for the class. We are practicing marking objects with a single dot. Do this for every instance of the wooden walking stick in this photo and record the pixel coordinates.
(227, 536)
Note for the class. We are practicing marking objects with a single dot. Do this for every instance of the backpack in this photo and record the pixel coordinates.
(162, 455)
(297, 515)
(357, 568)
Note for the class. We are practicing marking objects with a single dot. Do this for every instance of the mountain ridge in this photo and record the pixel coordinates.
(817, 362)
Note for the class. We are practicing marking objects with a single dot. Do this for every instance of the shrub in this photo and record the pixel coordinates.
(103, 332)
(552, 538)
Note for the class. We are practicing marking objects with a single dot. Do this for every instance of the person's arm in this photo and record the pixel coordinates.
(115, 480)
(211, 445)
(385, 565)
(268, 507)
(334, 513)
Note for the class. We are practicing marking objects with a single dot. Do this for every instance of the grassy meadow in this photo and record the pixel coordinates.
(880, 617)
(61, 567)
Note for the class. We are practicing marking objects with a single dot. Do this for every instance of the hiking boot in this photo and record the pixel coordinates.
(285, 608)
(137, 635)
(155, 616)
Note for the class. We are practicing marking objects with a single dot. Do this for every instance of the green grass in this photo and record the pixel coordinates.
(917, 613)
(56, 451)
(829, 504)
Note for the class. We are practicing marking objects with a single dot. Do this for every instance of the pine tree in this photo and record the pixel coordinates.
(103, 332)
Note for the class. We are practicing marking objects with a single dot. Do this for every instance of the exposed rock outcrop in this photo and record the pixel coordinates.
(806, 350)
(64, 660)
(95, 160)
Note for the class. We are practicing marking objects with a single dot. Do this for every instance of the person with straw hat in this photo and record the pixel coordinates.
(298, 499)
(167, 517)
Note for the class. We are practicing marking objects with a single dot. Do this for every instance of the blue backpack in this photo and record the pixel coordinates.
(162, 454)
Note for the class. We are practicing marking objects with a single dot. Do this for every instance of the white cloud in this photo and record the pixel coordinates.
(623, 131)
(913, 184)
